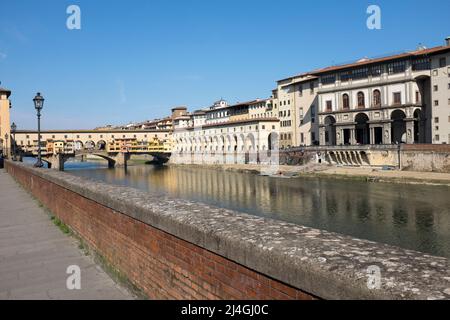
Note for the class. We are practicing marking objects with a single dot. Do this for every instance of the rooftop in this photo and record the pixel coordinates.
(368, 61)
(3, 90)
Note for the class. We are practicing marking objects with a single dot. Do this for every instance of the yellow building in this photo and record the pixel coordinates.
(5, 124)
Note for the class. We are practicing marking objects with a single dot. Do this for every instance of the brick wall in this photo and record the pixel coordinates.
(162, 265)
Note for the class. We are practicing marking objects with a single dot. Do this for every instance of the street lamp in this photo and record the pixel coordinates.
(13, 131)
(38, 105)
(6, 146)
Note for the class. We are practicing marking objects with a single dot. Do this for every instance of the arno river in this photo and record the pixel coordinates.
(410, 216)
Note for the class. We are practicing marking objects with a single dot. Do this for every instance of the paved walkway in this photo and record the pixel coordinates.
(35, 254)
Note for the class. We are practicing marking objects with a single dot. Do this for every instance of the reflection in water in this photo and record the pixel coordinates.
(410, 216)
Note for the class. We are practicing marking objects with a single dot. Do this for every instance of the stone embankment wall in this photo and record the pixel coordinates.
(414, 157)
(179, 249)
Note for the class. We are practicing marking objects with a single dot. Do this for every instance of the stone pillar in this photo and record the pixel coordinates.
(121, 159)
(339, 136)
(387, 133)
(410, 131)
(111, 163)
(322, 136)
(372, 135)
(352, 136)
(57, 161)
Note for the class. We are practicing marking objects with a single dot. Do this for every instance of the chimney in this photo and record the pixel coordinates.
(447, 41)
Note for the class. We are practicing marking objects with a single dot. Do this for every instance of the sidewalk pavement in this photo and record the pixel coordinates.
(35, 254)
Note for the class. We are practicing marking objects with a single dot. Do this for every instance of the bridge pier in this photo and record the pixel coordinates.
(57, 161)
(111, 164)
(121, 159)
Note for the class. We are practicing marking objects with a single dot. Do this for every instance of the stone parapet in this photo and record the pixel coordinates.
(174, 248)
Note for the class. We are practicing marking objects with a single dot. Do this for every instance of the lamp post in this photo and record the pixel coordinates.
(13, 131)
(6, 146)
(38, 105)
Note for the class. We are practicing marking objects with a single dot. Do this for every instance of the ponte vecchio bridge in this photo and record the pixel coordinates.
(115, 146)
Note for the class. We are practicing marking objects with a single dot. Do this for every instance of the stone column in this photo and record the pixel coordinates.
(339, 136)
(387, 133)
(57, 161)
(410, 131)
(121, 159)
(322, 136)
(372, 135)
(352, 136)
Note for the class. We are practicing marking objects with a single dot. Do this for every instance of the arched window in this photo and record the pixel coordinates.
(345, 102)
(361, 102)
(376, 98)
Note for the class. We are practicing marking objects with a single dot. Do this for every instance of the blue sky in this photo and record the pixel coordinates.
(133, 60)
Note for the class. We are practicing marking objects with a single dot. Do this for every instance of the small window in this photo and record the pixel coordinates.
(360, 73)
(435, 88)
(436, 103)
(436, 120)
(329, 106)
(345, 102)
(421, 64)
(376, 71)
(328, 79)
(361, 100)
(397, 98)
(436, 137)
(442, 62)
(397, 67)
(345, 76)
(376, 98)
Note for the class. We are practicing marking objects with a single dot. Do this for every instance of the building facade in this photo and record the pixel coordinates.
(391, 100)
(240, 133)
(298, 110)
(86, 139)
(5, 125)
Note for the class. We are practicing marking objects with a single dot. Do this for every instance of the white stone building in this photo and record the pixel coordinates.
(200, 137)
(390, 100)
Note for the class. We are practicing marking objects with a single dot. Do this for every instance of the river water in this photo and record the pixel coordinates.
(410, 216)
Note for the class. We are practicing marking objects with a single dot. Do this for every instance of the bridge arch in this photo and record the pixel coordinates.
(89, 145)
(241, 142)
(78, 145)
(250, 142)
(101, 145)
